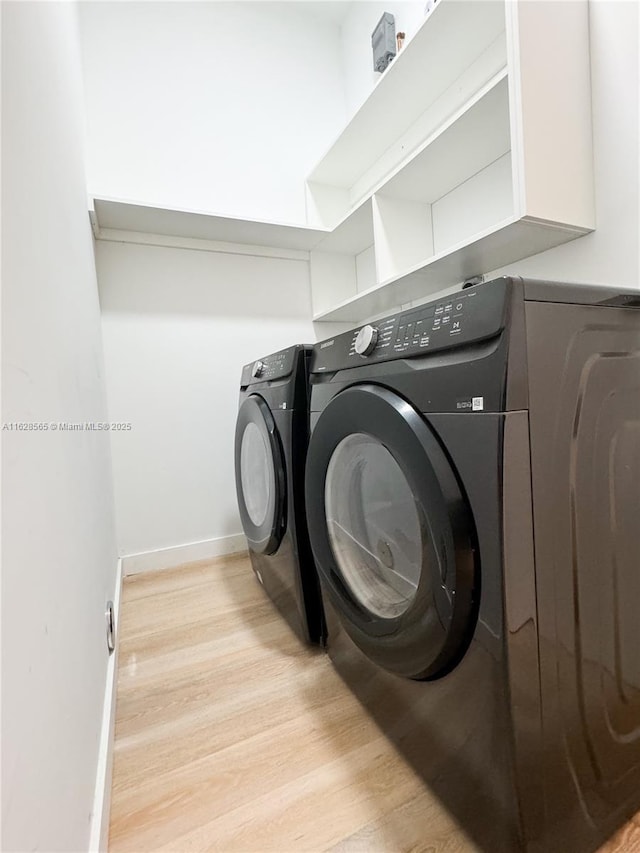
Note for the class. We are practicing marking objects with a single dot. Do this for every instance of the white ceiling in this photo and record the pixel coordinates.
(323, 11)
(333, 11)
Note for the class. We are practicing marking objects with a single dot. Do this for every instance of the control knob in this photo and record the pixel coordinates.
(366, 340)
(258, 369)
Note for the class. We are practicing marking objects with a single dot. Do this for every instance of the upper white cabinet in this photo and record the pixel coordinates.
(473, 151)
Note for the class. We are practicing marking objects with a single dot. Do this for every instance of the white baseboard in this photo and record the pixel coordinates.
(99, 837)
(166, 558)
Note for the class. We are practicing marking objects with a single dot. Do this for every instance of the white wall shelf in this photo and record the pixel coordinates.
(474, 150)
(502, 244)
(130, 221)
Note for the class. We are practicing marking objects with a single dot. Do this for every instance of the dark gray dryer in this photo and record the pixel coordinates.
(272, 433)
(473, 499)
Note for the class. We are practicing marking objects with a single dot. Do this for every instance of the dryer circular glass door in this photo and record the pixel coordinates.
(374, 525)
(392, 533)
(260, 476)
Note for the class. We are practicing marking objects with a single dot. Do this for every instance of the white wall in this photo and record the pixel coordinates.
(359, 78)
(178, 327)
(214, 106)
(58, 538)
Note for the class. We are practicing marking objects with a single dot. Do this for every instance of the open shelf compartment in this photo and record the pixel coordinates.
(343, 263)
(450, 190)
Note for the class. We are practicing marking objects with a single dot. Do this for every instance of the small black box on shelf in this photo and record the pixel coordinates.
(383, 42)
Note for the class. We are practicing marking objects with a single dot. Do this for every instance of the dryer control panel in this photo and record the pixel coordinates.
(468, 315)
(269, 367)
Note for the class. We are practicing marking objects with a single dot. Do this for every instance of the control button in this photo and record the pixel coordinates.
(366, 340)
(439, 310)
(456, 324)
(258, 369)
(449, 306)
(459, 306)
(446, 319)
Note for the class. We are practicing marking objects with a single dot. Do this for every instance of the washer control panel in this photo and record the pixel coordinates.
(468, 315)
(429, 327)
(417, 329)
(366, 340)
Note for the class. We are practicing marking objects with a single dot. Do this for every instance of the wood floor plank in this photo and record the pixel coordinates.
(155, 583)
(232, 736)
(221, 723)
(351, 791)
(626, 840)
(236, 775)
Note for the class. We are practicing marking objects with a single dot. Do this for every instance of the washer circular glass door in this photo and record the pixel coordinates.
(260, 476)
(374, 525)
(392, 533)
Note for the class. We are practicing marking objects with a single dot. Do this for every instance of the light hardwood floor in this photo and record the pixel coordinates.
(231, 736)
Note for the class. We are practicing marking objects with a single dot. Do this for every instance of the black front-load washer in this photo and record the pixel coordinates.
(272, 433)
(473, 495)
